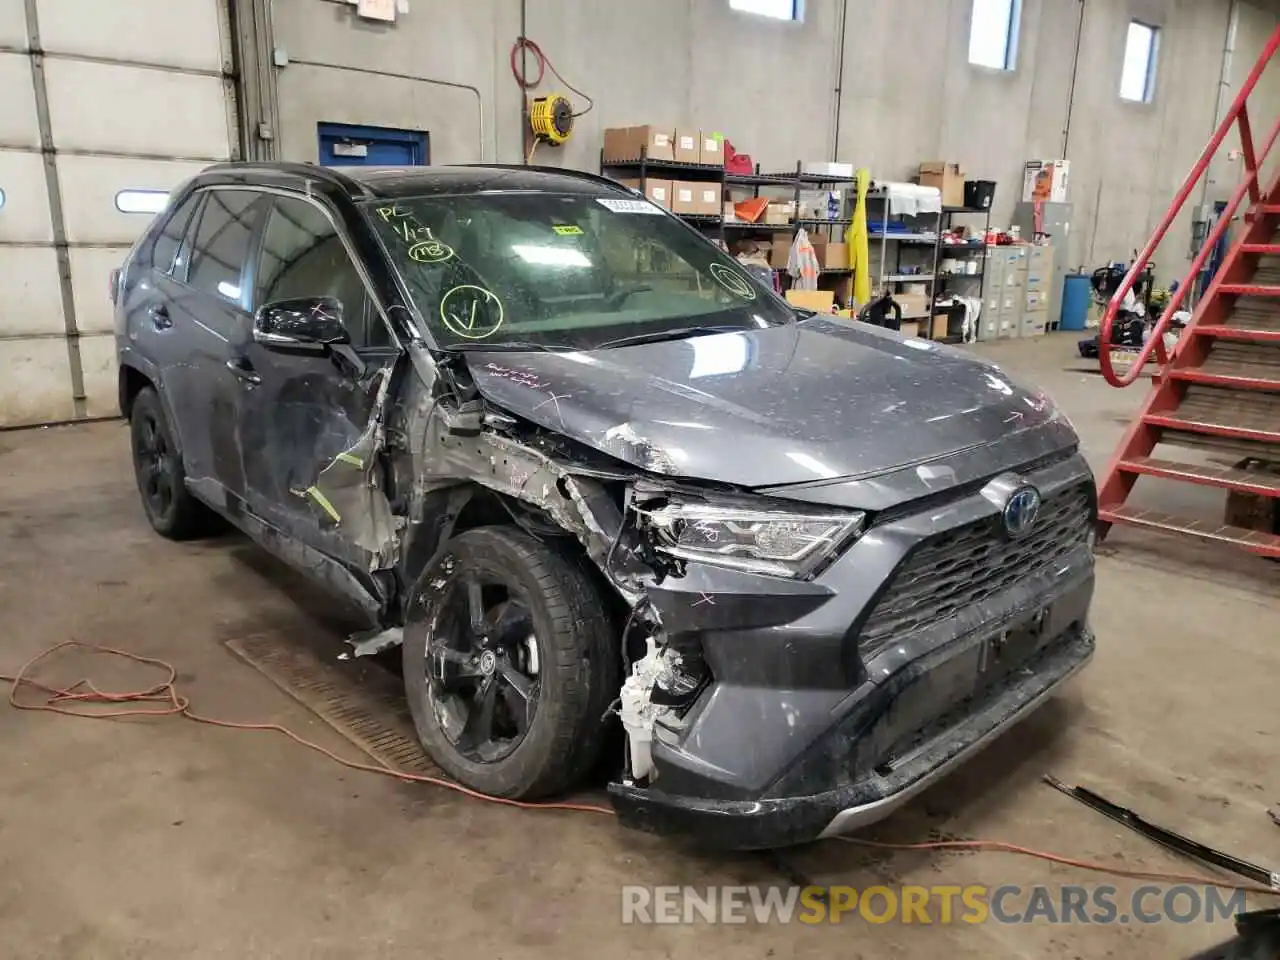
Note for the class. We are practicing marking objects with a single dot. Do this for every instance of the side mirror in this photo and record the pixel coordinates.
(301, 325)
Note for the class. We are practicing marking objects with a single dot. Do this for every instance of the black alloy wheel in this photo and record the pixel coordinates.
(157, 463)
(153, 458)
(510, 662)
(484, 667)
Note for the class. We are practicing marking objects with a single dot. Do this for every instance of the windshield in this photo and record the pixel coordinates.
(559, 270)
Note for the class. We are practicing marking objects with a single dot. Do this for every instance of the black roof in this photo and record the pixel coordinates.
(371, 183)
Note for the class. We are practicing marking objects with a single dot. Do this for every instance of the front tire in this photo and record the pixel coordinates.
(172, 511)
(509, 665)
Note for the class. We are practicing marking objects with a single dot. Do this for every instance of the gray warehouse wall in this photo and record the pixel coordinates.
(909, 93)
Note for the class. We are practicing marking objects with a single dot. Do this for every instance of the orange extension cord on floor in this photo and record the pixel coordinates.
(170, 702)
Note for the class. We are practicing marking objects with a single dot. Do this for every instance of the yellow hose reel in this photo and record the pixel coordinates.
(551, 119)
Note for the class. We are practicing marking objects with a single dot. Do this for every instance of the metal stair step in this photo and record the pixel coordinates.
(1266, 249)
(1210, 427)
(1236, 364)
(1233, 332)
(1249, 290)
(1222, 448)
(1229, 478)
(1255, 541)
(1252, 409)
(1254, 313)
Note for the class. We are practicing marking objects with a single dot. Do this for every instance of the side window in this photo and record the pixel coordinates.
(303, 256)
(221, 241)
(169, 239)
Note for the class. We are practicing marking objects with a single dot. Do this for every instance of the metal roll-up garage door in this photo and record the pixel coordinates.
(98, 98)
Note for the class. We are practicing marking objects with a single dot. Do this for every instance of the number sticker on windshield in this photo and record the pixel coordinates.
(629, 206)
(471, 312)
(732, 281)
(567, 230)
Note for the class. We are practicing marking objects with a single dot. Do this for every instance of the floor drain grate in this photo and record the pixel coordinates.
(360, 700)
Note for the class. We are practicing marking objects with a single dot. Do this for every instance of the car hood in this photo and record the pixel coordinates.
(816, 400)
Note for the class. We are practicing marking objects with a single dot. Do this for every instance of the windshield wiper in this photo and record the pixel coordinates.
(677, 333)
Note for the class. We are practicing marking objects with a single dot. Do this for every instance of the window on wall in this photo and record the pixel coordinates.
(1138, 75)
(993, 33)
(780, 9)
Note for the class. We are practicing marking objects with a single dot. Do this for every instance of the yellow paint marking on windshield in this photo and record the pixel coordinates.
(567, 230)
(460, 306)
(430, 250)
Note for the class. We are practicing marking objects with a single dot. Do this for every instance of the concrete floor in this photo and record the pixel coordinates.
(164, 838)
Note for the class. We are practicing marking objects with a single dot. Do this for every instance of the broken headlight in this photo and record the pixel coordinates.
(778, 542)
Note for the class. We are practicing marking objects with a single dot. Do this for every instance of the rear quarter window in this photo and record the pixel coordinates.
(168, 238)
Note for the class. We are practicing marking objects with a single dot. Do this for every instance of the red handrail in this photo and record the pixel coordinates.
(1253, 162)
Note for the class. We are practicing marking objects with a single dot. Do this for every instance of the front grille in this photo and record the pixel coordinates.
(954, 570)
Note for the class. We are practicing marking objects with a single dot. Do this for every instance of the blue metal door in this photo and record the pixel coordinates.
(353, 145)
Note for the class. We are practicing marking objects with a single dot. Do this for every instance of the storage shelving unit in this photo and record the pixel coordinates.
(644, 167)
(923, 241)
(957, 283)
(966, 250)
(796, 181)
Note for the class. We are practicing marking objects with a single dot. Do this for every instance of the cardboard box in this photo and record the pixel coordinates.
(625, 143)
(779, 214)
(659, 191)
(914, 305)
(686, 145)
(1252, 511)
(711, 148)
(939, 326)
(708, 199)
(779, 251)
(910, 328)
(823, 301)
(832, 255)
(684, 197)
(1045, 180)
(947, 177)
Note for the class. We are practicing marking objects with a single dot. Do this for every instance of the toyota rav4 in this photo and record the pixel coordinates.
(580, 464)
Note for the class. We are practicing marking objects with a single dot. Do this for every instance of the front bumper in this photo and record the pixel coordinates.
(811, 729)
(784, 821)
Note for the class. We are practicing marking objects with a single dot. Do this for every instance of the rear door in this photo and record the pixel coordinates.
(210, 303)
(308, 425)
(149, 339)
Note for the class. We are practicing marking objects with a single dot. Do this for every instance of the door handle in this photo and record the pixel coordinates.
(160, 318)
(243, 369)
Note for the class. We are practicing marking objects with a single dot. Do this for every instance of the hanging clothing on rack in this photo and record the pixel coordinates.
(802, 263)
(857, 241)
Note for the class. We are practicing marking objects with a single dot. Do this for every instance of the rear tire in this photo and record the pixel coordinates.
(170, 508)
(546, 628)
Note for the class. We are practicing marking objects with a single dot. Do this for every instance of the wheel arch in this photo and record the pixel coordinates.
(448, 513)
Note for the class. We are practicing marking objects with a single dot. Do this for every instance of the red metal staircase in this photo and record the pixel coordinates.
(1218, 392)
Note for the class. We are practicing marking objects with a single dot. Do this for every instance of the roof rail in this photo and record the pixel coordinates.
(311, 171)
(563, 171)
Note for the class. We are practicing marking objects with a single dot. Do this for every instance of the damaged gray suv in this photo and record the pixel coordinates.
(581, 465)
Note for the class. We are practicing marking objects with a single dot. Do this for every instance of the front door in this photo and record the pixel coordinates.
(307, 423)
